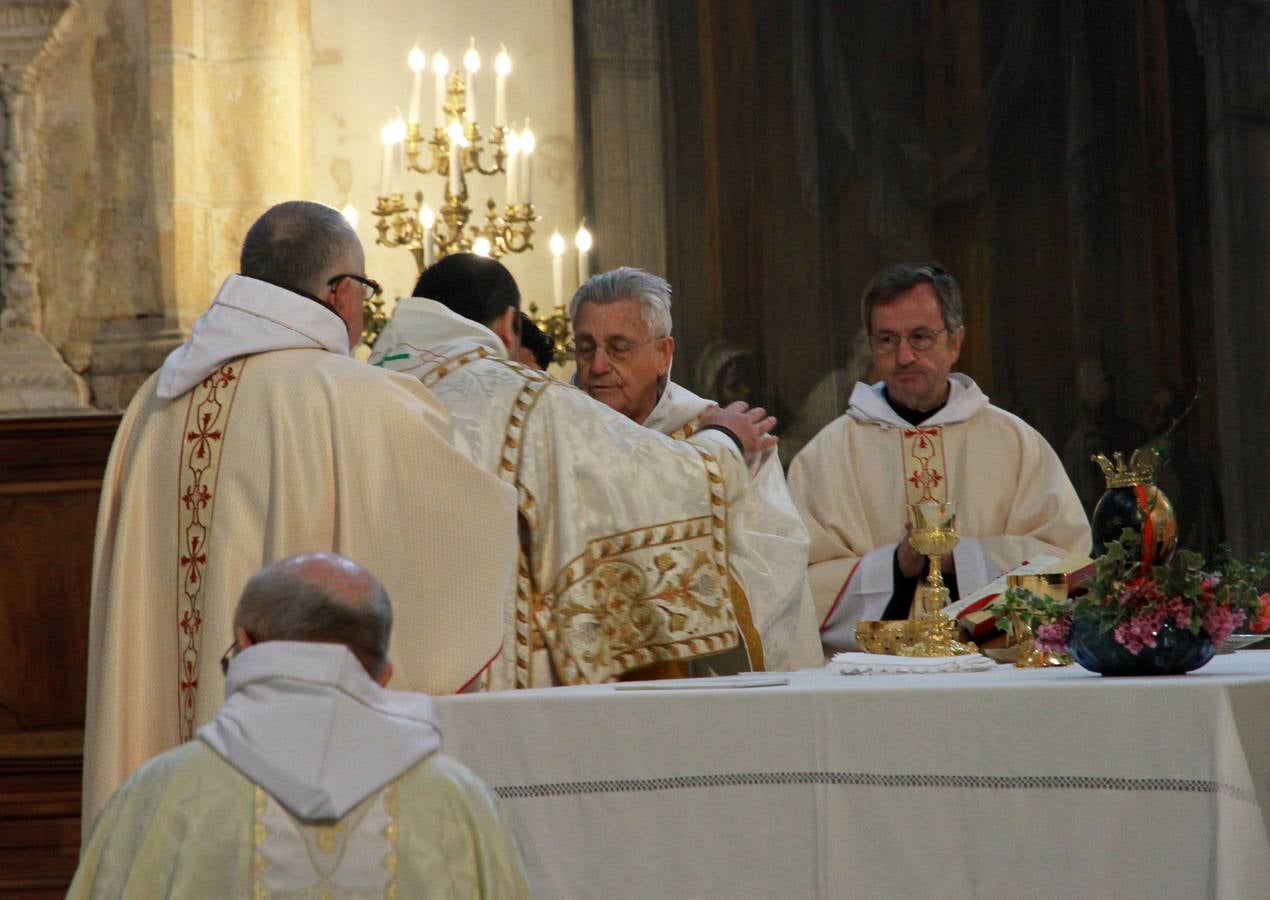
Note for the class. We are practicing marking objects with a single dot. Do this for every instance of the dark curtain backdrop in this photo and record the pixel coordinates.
(1054, 154)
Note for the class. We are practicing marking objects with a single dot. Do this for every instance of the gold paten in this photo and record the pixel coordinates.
(888, 636)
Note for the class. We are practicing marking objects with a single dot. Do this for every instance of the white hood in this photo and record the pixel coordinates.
(676, 407)
(964, 400)
(246, 317)
(424, 333)
(306, 723)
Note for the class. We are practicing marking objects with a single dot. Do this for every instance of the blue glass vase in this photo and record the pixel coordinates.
(1176, 650)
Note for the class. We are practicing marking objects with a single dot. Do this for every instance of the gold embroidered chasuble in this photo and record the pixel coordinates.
(273, 454)
(189, 825)
(625, 540)
(769, 547)
(853, 482)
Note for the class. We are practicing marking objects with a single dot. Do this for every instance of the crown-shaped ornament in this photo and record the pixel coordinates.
(1141, 468)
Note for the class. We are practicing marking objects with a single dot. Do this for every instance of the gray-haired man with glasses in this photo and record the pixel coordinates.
(923, 433)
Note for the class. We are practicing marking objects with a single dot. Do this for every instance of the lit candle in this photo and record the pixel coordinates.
(441, 68)
(557, 268)
(513, 167)
(502, 68)
(457, 142)
(349, 212)
(385, 180)
(582, 240)
(472, 63)
(417, 62)
(527, 144)
(481, 246)
(399, 153)
(428, 219)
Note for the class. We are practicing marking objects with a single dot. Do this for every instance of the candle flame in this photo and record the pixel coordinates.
(456, 133)
(582, 240)
(416, 59)
(427, 218)
(557, 244)
(349, 212)
(440, 65)
(398, 132)
(527, 141)
(471, 59)
(386, 133)
(512, 142)
(503, 62)
(481, 246)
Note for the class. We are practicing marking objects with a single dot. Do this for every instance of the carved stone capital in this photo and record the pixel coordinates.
(25, 28)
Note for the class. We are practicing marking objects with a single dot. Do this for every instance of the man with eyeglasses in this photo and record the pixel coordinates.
(622, 322)
(313, 779)
(258, 438)
(923, 433)
(625, 534)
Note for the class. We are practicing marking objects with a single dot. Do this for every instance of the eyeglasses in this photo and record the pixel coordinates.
(919, 339)
(228, 657)
(370, 287)
(618, 350)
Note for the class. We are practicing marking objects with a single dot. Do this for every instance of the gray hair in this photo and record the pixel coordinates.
(901, 278)
(295, 243)
(285, 602)
(627, 283)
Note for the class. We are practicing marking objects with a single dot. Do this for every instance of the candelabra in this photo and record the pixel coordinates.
(456, 150)
(559, 327)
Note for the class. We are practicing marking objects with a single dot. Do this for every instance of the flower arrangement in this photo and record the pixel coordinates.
(1133, 602)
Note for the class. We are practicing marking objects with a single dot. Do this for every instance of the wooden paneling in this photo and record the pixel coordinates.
(50, 479)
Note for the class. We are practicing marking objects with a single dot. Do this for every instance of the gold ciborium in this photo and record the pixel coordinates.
(934, 534)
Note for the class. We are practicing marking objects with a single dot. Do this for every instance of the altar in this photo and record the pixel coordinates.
(1011, 782)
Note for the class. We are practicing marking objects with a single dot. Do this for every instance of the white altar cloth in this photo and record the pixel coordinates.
(1048, 783)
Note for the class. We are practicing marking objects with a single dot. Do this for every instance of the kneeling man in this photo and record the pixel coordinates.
(313, 779)
(923, 433)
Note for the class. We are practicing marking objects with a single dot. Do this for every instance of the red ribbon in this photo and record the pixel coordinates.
(1148, 527)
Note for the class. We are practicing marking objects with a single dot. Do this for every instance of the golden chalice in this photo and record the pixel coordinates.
(934, 534)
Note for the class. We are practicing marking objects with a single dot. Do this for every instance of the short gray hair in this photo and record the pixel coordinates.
(294, 243)
(627, 283)
(281, 603)
(901, 278)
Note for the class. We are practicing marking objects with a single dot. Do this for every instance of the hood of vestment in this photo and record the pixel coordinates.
(426, 333)
(868, 404)
(676, 407)
(307, 724)
(248, 316)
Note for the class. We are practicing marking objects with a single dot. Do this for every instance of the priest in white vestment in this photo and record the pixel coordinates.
(624, 350)
(923, 433)
(261, 437)
(625, 534)
(313, 779)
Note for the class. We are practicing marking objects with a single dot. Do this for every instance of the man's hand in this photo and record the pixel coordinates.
(752, 427)
(912, 564)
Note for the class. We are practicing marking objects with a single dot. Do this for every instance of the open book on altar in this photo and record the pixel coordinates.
(971, 611)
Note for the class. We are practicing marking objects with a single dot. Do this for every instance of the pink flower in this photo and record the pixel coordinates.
(1139, 631)
(1220, 622)
(1179, 611)
(1052, 636)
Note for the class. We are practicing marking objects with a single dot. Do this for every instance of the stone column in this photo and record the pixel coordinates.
(33, 376)
(1233, 36)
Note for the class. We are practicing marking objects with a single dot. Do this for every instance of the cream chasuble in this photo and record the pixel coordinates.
(769, 547)
(854, 480)
(312, 781)
(258, 439)
(625, 534)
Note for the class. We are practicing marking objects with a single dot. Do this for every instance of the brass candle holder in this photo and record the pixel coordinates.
(934, 534)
